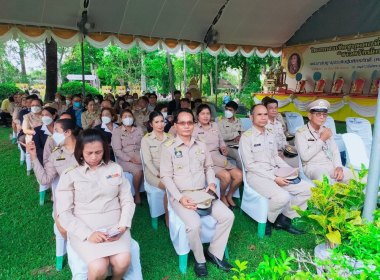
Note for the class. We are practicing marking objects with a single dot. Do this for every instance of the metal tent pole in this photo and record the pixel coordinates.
(201, 73)
(83, 81)
(372, 189)
(216, 81)
(184, 69)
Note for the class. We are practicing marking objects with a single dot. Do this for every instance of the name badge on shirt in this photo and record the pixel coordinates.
(201, 133)
(310, 139)
(61, 157)
(153, 146)
(256, 145)
(177, 153)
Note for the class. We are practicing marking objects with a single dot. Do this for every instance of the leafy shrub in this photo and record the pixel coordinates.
(76, 88)
(7, 90)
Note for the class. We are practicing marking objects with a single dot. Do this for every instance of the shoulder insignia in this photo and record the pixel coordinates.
(146, 135)
(51, 136)
(248, 132)
(119, 127)
(201, 139)
(220, 118)
(301, 129)
(270, 130)
(56, 148)
(167, 144)
(168, 134)
(71, 168)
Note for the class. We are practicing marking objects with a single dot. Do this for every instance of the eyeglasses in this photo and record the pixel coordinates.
(319, 114)
(185, 123)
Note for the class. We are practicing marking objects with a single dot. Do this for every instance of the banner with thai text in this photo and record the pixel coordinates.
(106, 89)
(340, 57)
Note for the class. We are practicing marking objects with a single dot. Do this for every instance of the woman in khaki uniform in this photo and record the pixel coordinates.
(126, 143)
(33, 119)
(95, 205)
(88, 117)
(151, 150)
(62, 157)
(227, 173)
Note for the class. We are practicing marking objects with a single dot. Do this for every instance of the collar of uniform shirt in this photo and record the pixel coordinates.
(153, 135)
(178, 141)
(275, 121)
(200, 125)
(311, 128)
(85, 167)
(124, 129)
(257, 132)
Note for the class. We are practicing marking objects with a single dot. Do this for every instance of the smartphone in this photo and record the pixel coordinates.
(211, 192)
(114, 234)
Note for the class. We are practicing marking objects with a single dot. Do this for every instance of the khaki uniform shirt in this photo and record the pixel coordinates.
(50, 145)
(126, 145)
(12, 107)
(281, 119)
(230, 130)
(184, 168)
(211, 136)
(173, 132)
(259, 153)
(278, 132)
(141, 118)
(31, 121)
(59, 160)
(312, 150)
(82, 191)
(60, 107)
(151, 151)
(88, 119)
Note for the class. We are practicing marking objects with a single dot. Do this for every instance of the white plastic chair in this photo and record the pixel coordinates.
(337, 137)
(355, 151)
(129, 177)
(302, 175)
(155, 198)
(177, 230)
(254, 204)
(79, 268)
(42, 191)
(60, 247)
(293, 121)
(247, 123)
(363, 128)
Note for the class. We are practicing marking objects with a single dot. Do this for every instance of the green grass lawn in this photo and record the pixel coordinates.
(27, 245)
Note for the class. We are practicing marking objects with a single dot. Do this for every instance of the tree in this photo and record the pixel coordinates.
(21, 53)
(51, 69)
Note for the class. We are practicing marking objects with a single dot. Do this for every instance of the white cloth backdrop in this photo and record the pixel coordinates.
(365, 111)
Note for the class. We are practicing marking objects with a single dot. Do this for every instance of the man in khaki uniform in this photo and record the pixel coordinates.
(185, 165)
(266, 176)
(141, 114)
(285, 151)
(231, 129)
(317, 148)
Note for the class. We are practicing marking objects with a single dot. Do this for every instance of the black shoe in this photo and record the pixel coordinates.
(233, 207)
(222, 264)
(268, 229)
(285, 223)
(140, 204)
(200, 270)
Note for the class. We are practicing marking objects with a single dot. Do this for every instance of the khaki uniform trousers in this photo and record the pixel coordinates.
(234, 154)
(315, 172)
(279, 196)
(224, 220)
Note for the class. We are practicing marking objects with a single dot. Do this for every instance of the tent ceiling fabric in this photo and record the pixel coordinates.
(243, 26)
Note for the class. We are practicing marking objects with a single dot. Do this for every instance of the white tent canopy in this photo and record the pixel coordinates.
(245, 26)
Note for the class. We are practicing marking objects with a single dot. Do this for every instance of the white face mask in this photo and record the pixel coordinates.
(106, 120)
(128, 121)
(59, 137)
(36, 109)
(228, 114)
(143, 109)
(68, 102)
(130, 101)
(165, 115)
(56, 99)
(96, 100)
(47, 120)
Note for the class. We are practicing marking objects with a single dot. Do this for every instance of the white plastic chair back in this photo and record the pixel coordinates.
(363, 128)
(355, 151)
(155, 196)
(79, 268)
(331, 124)
(177, 230)
(252, 203)
(293, 121)
(216, 119)
(247, 123)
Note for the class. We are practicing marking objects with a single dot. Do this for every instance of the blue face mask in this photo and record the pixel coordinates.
(28, 109)
(78, 104)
